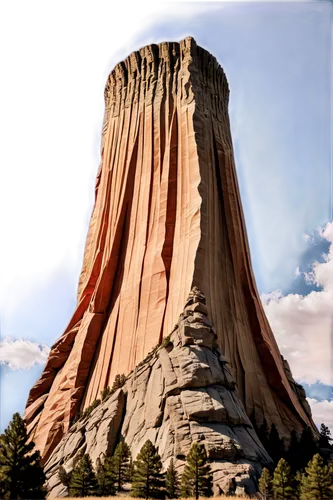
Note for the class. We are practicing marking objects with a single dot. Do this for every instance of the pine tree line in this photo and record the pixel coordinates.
(21, 475)
(145, 474)
(315, 483)
(300, 449)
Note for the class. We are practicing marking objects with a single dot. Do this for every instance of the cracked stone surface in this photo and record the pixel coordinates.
(181, 393)
(167, 217)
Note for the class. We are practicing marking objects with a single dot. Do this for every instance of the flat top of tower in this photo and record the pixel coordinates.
(187, 42)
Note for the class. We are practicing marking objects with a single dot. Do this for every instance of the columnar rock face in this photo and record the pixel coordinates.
(167, 217)
(182, 392)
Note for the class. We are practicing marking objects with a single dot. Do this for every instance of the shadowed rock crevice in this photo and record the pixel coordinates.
(167, 216)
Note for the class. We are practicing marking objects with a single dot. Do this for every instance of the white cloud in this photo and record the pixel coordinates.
(303, 325)
(22, 354)
(322, 412)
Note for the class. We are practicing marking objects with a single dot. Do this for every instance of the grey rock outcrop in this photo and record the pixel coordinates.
(182, 392)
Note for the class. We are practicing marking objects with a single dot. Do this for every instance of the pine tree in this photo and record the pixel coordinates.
(172, 481)
(196, 478)
(297, 483)
(106, 477)
(275, 445)
(293, 454)
(83, 481)
(119, 381)
(316, 483)
(147, 478)
(64, 476)
(21, 473)
(105, 393)
(263, 434)
(325, 437)
(130, 470)
(307, 448)
(283, 482)
(121, 464)
(265, 483)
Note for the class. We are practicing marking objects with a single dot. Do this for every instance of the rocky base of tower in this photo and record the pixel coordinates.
(182, 392)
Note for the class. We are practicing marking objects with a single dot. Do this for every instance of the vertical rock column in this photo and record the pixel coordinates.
(167, 216)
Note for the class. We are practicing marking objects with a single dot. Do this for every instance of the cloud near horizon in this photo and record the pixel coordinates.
(322, 412)
(22, 354)
(303, 324)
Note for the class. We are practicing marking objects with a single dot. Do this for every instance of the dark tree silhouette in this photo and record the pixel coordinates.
(293, 453)
(307, 448)
(325, 437)
(275, 445)
(21, 474)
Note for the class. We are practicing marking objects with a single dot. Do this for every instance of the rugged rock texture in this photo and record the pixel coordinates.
(167, 217)
(182, 392)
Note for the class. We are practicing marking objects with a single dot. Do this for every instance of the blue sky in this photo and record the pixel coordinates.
(277, 58)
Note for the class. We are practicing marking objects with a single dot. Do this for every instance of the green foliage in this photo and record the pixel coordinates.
(77, 417)
(297, 483)
(130, 470)
(105, 477)
(21, 474)
(105, 393)
(90, 408)
(65, 477)
(265, 484)
(83, 482)
(172, 481)
(283, 485)
(84, 414)
(166, 341)
(147, 478)
(119, 381)
(317, 483)
(196, 478)
(325, 437)
(121, 464)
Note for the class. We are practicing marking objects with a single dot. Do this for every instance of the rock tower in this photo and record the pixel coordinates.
(168, 218)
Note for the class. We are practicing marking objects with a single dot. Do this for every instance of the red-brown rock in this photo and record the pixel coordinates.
(167, 217)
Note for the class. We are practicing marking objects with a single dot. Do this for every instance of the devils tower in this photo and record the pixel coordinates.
(167, 218)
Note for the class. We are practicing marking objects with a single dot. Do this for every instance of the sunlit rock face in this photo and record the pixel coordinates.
(167, 217)
(183, 391)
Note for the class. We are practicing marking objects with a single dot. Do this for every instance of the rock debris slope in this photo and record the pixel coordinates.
(182, 392)
(167, 217)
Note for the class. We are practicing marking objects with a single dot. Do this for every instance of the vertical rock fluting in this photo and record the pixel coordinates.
(183, 391)
(167, 217)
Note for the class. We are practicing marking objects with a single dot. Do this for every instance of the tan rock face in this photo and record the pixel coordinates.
(167, 217)
(178, 395)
